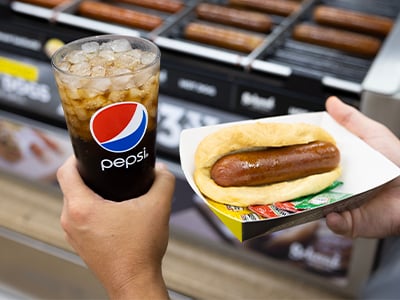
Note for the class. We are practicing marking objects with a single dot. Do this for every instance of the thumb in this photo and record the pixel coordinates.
(349, 117)
(339, 223)
(163, 187)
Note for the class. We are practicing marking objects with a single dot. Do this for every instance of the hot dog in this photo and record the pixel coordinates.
(235, 17)
(343, 40)
(352, 20)
(301, 159)
(112, 13)
(281, 7)
(222, 37)
(47, 3)
(276, 164)
(170, 6)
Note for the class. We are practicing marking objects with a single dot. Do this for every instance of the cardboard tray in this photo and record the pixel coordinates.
(365, 171)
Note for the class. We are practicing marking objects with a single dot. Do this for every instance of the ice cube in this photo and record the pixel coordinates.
(72, 83)
(98, 71)
(98, 61)
(147, 58)
(64, 66)
(81, 69)
(105, 46)
(120, 45)
(96, 102)
(115, 71)
(122, 82)
(90, 47)
(72, 94)
(97, 86)
(81, 113)
(126, 61)
(136, 94)
(141, 78)
(135, 53)
(75, 57)
(107, 54)
(118, 96)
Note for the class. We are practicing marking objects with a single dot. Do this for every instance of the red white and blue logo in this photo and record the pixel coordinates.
(119, 127)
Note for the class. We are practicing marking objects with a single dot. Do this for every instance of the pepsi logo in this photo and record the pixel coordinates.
(119, 127)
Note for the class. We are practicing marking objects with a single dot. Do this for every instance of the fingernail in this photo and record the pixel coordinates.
(161, 166)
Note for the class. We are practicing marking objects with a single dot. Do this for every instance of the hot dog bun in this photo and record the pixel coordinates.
(259, 135)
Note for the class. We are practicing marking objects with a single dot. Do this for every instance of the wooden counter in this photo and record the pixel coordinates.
(189, 268)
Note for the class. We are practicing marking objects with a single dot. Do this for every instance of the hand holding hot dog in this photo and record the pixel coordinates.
(379, 217)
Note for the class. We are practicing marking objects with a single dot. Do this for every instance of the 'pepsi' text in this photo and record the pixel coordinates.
(121, 162)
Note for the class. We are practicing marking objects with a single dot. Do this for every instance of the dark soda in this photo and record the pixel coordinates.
(117, 176)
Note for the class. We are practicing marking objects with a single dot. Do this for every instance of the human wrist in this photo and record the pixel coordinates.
(149, 285)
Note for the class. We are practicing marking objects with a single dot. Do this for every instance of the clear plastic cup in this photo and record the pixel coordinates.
(108, 87)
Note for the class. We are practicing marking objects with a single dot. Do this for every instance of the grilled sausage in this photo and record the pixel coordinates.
(272, 165)
(343, 40)
(235, 17)
(112, 13)
(221, 37)
(46, 3)
(352, 20)
(170, 6)
(278, 7)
